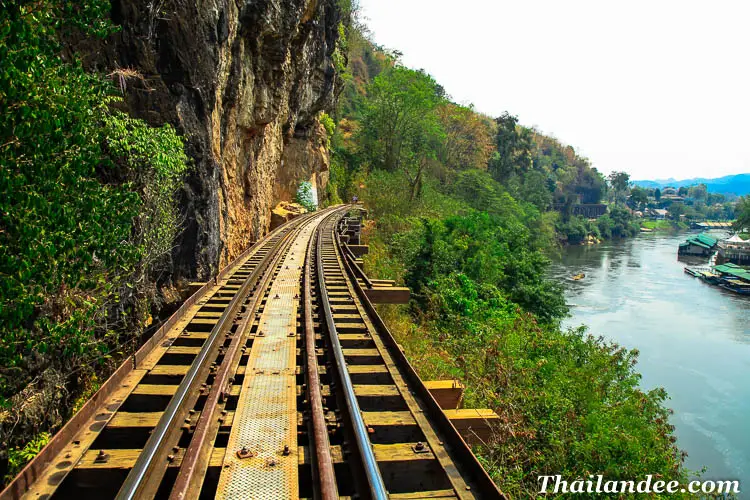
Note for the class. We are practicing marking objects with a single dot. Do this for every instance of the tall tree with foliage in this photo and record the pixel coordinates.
(742, 212)
(698, 192)
(401, 130)
(468, 137)
(638, 198)
(619, 182)
(514, 144)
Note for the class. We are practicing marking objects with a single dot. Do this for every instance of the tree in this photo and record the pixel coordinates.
(657, 195)
(535, 189)
(638, 198)
(401, 130)
(468, 137)
(714, 198)
(698, 192)
(742, 212)
(676, 210)
(619, 182)
(683, 191)
(514, 145)
(590, 184)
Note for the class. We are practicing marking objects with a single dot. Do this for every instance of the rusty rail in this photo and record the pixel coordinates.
(469, 464)
(389, 434)
(28, 475)
(140, 476)
(194, 463)
(372, 472)
(323, 461)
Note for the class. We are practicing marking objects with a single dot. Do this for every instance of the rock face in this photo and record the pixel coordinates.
(244, 82)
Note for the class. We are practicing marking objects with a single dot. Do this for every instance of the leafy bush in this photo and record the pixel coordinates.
(570, 403)
(306, 197)
(489, 250)
(330, 127)
(623, 223)
(575, 230)
(18, 457)
(606, 225)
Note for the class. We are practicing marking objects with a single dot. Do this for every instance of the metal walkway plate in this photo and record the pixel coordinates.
(261, 459)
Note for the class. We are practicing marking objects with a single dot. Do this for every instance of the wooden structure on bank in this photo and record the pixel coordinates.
(734, 250)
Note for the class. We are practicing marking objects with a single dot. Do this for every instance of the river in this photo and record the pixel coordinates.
(694, 340)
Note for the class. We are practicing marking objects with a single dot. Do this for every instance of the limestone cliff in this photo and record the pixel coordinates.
(244, 82)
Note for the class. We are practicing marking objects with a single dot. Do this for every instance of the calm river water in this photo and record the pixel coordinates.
(694, 340)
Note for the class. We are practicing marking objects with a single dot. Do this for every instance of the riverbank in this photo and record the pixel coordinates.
(664, 225)
(693, 340)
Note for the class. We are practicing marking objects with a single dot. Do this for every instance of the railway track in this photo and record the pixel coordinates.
(276, 380)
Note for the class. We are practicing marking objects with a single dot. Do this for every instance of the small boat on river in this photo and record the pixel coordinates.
(704, 274)
(578, 277)
(735, 286)
(730, 277)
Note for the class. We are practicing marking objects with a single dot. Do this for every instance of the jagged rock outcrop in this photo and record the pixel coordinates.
(244, 82)
(284, 212)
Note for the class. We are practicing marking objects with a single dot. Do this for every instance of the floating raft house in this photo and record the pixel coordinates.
(698, 244)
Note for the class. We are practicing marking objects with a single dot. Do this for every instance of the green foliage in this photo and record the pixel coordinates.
(154, 162)
(514, 144)
(570, 402)
(638, 198)
(18, 457)
(489, 250)
(570, 176)
(330, 127)
(619, 182)
(676, 210)
(469, 141)
(337, 182)
(87, 209)
(623, 223)
(401, 130)
(471, 248)
(62, 228)
(576, 229)
(306, 197)
(742, 211)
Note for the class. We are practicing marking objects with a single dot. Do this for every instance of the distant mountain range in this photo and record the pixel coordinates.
(738, 184)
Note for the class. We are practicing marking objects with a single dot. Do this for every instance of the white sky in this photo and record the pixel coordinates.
(657, 88)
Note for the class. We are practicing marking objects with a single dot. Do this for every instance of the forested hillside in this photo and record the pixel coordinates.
(462, 210)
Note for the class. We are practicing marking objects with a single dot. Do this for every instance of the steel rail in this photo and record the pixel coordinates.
(322, 459)
(194, 464)
(40, 464)
(468, 461)
(142, 467)
(372, 472)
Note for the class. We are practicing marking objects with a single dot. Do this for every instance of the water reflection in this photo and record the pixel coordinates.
(694, 340)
